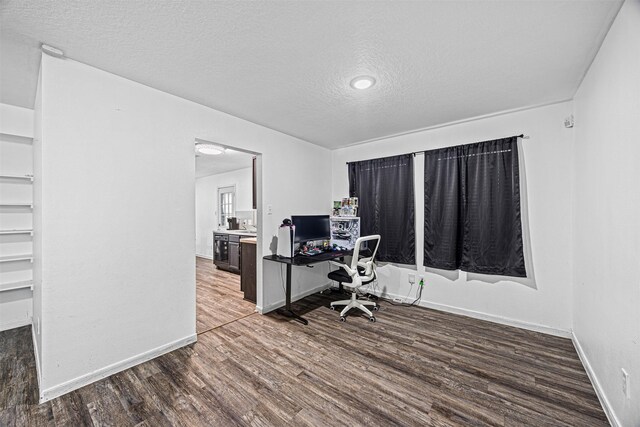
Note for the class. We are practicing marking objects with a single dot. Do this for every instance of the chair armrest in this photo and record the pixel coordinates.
(346, 268)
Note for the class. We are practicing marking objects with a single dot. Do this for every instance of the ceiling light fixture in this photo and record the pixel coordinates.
(363, 82)
(209, 149)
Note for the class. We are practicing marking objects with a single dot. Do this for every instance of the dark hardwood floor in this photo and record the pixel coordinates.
(414, 366)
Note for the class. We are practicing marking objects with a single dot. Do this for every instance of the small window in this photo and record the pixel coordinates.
(226, 204)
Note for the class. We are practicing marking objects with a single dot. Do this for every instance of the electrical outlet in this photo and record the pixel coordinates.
(421, 280)
(626, 384)
(269, 209)
(397, 300)
(412, 278)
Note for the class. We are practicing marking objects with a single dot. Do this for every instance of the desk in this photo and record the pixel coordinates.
(301, 260)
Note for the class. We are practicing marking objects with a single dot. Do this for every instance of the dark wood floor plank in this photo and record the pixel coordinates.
(413, 367)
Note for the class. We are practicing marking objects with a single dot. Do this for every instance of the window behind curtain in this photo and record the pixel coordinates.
(226, 203)
(472, 208)
(384, 188)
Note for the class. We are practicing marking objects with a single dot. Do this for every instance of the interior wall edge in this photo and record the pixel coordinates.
(83, 380)
(507, 321)
(602, 397)
(36, 350)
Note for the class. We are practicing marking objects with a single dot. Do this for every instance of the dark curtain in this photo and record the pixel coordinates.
(384, 188)
(472, 208)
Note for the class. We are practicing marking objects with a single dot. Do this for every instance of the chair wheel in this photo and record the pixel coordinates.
(372, 319)
(376, 308)
(332, 308)
(343, 319)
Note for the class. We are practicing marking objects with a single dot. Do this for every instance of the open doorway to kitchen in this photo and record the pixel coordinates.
(227, 189)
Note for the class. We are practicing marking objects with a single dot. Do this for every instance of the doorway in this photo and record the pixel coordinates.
(227, 190)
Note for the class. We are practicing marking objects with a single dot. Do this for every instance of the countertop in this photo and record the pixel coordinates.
(236, 232)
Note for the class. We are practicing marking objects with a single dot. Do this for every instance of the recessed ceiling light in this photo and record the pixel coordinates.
(209, 149)
(363, 82)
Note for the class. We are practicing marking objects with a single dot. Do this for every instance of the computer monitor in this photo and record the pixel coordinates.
(311, 227)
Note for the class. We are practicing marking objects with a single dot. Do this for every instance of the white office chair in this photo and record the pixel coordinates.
(361, 272)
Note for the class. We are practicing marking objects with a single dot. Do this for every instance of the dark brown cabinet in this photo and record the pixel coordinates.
(234, 256)
(248, 273)
(226, 252)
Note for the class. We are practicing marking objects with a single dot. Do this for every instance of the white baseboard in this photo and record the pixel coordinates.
(36, 353)
(81, 381)
(602, 397)
(15, 324)
(204, 256)
(490, 317)
(280, 303)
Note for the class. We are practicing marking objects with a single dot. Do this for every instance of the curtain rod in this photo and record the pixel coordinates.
(522, 136)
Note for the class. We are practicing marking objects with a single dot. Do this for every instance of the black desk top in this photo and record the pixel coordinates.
(308, 260)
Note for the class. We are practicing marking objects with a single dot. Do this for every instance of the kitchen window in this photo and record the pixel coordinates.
(226, 204)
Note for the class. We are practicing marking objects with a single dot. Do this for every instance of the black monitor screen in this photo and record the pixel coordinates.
(311, 227)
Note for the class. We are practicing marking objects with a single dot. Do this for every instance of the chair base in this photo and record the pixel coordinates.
(354, 302)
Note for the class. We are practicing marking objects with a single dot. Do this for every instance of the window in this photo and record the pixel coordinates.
(226, 204)
(384, 188)
(472, 208)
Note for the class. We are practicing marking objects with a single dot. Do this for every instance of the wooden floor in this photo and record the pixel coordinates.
(413, 367)
(218, 297)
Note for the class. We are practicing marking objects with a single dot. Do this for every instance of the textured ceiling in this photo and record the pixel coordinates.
(229, 161)
(287, 64)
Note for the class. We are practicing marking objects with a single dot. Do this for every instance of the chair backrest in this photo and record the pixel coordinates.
(368, 262)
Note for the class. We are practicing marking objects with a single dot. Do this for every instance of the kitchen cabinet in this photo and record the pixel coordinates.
(226, 251)
(248, 265)
(234, 254)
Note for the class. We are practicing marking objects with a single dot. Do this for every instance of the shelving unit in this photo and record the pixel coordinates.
(16, 219)
(8, 232)
(28, 178)
(16, 205)
(14, 258)
(10, 137)
(14, 286)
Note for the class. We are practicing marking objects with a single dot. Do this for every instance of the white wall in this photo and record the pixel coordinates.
(117, 218)
(15, 159)
(206, 203)
(606, 242)
(542, 302)
(16, 121)
(118, 208)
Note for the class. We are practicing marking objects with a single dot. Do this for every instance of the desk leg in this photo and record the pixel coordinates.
(286, 311)
(288, 300)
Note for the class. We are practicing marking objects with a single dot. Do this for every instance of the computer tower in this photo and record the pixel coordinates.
(345, 231)
(286, 237)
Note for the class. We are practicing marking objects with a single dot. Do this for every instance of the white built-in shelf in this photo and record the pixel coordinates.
(13, 258)
(16, 205)
(4, 232)
(27, 284)
(16, 138)
(18, 177)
